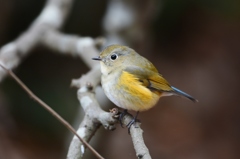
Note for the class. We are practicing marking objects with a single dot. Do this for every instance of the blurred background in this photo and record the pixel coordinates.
(194, 44)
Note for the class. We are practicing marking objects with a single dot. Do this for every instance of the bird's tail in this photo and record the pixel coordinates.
(181, 93)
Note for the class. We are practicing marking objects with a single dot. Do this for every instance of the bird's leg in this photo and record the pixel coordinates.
(122, 114)
(132, 122)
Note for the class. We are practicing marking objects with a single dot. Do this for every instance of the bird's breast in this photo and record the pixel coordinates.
(126, 91)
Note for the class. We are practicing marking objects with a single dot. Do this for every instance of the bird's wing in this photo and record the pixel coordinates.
(150, 79)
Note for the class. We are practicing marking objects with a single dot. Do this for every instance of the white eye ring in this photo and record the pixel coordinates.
(114, 57)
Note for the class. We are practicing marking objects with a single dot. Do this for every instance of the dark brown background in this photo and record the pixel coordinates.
(194, 44)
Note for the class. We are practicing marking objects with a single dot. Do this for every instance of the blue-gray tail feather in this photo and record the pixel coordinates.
(181, 93)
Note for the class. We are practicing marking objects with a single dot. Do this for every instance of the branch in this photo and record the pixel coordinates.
(136, 133)
(94, 115)
(83, 47)
(51, 18)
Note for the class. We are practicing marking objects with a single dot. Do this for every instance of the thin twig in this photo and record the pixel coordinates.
(50, 110)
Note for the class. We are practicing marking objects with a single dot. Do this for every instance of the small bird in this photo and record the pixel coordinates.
(131, 81)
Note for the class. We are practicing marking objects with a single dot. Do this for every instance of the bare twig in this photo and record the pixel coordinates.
(94, 115)
(51, 18)
(50, 110)
(92, 109)
(84, 47)
(136, 132)
(92, 77)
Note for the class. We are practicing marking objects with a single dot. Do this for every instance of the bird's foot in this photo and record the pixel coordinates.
(134, 120)
(121, 115)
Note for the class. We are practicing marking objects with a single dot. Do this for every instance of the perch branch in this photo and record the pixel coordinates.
(136, 133)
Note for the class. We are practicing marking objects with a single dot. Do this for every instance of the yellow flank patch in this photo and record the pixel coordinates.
(134, 89)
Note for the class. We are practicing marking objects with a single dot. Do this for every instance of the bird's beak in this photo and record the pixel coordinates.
(97, 58)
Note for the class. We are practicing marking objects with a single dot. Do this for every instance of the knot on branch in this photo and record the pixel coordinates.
(107, 120)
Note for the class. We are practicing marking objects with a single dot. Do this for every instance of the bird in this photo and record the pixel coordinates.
(131, 81)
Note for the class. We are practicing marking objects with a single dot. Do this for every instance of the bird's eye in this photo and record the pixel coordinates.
(114, 57)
